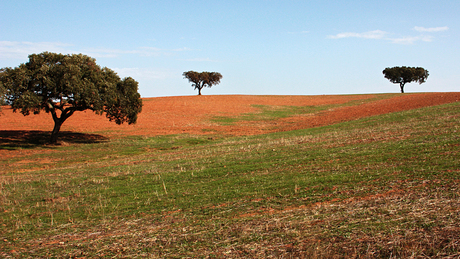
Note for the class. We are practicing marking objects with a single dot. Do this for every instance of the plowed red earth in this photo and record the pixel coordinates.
(193, 114)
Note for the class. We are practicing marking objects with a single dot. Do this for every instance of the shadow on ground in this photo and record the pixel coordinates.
(13, 139)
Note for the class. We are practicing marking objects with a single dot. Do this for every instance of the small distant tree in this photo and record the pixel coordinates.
(203, 79)
(63, 84)
(403, 75)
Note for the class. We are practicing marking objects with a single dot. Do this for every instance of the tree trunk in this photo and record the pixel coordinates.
(58, 121)
(199, 91)
(401, 85)
(55, 132)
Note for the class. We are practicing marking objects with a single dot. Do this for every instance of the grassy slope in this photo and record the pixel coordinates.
(382, 186)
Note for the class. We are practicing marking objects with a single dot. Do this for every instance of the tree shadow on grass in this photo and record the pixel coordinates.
(15, 139)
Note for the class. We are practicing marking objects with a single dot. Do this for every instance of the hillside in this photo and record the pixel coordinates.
(362, 176)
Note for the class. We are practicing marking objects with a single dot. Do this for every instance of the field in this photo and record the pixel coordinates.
(355, 176)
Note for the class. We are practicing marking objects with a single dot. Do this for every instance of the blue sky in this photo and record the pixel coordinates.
(260, 47)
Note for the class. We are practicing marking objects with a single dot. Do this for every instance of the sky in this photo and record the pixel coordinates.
(261, 47)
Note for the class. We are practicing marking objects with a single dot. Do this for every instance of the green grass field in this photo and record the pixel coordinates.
(382, 187)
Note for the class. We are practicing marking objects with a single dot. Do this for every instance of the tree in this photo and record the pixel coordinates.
(63, 84)
(203, 79)
(403, 75)
(2, 95)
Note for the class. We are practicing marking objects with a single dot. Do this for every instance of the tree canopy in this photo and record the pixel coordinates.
(403, 75)
(203, 79)
(63, 84)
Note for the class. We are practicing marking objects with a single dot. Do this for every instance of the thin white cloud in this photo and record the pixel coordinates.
(105, 53)
(377, 34)
(21, 50)
(411, 40)
(145, 74)
(382, 35)
(433, 29)
(143, 51)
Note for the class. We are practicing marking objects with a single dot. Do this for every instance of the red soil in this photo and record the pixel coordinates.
(193, 114)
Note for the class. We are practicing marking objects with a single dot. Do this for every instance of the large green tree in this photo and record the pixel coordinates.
(63, 84)
(203, 79)
(404, 75)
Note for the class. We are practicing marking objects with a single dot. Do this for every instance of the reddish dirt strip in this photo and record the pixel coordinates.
(193, 114)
